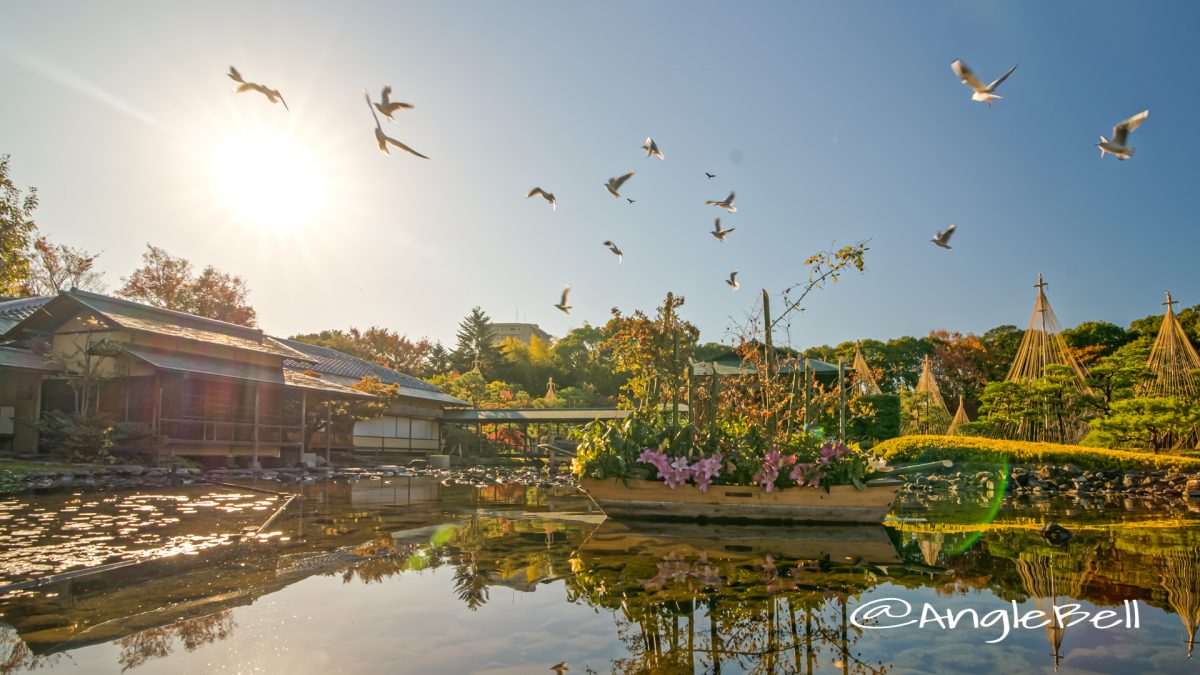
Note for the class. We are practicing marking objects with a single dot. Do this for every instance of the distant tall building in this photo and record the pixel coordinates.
(521, 331)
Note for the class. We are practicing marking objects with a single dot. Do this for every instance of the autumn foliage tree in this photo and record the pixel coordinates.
(378, 345)
(58, 267)
(168, 282)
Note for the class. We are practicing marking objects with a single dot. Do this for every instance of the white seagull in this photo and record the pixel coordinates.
(387, 106)
(651, 149)
(986, 93)
(726, 204)
(614, 184)
(732, 281)
(562, 304)
(1116, 146)
(616, 251)
(383, 139)
(943, 238)
(548, 196)
(272, 95)
(718, 232)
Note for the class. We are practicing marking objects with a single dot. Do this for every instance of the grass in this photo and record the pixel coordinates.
(970, 448)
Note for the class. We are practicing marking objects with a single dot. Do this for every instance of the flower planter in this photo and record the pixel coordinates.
(653, 500)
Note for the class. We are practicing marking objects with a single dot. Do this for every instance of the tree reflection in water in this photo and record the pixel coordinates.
(695, 610)
(154, 643)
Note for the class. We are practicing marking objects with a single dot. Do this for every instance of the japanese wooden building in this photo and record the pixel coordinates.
(208, 388)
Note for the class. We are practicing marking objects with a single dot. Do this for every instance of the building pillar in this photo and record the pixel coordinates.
(303, 424)
(328, 430)
(254, 463)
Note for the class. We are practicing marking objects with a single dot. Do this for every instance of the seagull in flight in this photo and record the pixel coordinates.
(272, 95)
(548, 196)
(614, 184)
(732, 281)
(943, 238)
(718, 232)
(387, 106)
(710, 175)
(986, 93)
(616, 251)
(560, 667)
(563, 304)
(651, 149)
(1116, 146)
(726, 204)
(383, 139)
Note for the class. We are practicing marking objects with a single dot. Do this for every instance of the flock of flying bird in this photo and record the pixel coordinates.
(985, 93)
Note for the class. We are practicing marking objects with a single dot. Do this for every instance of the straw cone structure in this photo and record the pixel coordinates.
(960, 417)
(1181, 579)
(1172, 360)
(928, 385)
(1043, 345)
(864, 382)
(1042, 584)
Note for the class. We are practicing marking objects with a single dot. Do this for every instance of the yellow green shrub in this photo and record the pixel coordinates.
(969, 448)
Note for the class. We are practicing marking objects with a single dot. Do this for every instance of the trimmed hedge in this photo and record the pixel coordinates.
(970, 448)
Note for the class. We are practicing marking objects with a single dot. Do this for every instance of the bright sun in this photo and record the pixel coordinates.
(269, 179)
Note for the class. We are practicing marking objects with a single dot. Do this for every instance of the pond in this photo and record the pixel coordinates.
(411, 575)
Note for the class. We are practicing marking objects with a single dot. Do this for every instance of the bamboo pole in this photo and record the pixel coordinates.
(841, 401)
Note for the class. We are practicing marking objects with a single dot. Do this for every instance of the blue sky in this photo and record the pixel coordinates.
(833, 122)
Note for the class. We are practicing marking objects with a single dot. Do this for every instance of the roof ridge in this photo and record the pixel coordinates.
(82, 296)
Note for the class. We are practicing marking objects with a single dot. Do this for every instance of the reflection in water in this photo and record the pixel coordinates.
(682, 598)
(156, 643)
(1181, 579)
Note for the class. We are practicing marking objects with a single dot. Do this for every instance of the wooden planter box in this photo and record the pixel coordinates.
(653, 500)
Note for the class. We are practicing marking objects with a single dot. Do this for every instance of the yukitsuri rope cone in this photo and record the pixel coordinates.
(926, 411)
(1181, 578)
(864, 382)
(1043, 345)
(960, 417)
(1172, 361)
(928, 385)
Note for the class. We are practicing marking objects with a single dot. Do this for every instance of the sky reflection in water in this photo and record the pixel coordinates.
(407, 575)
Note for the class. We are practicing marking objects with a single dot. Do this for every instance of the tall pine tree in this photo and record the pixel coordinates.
(475, 344)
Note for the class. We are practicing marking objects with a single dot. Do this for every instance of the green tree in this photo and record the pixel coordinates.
(653, 353)
(17, 229)
(378, 345)
(476, 344)
(1154, 423)
(1093, 340)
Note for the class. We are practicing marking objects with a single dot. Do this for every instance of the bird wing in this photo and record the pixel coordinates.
(386, 95)
(620, 180)
(945, 236)
(234, 74)
(285, 105)
(967, 75)
(729, 199)
(1122, 130)
(717, 224)
(404, 147)
(998, 80)
(566, 294)
(535, 191)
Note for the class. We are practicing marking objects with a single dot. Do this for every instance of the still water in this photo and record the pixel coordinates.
(406, 575)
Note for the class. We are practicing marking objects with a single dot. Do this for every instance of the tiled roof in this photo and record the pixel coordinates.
(21, 358)
(12, 312)
(205, 365)
(334, 363)
(139, 317)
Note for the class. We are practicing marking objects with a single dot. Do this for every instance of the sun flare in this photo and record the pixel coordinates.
(269, 179)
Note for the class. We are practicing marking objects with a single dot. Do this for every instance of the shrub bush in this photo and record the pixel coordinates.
(966, 449)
